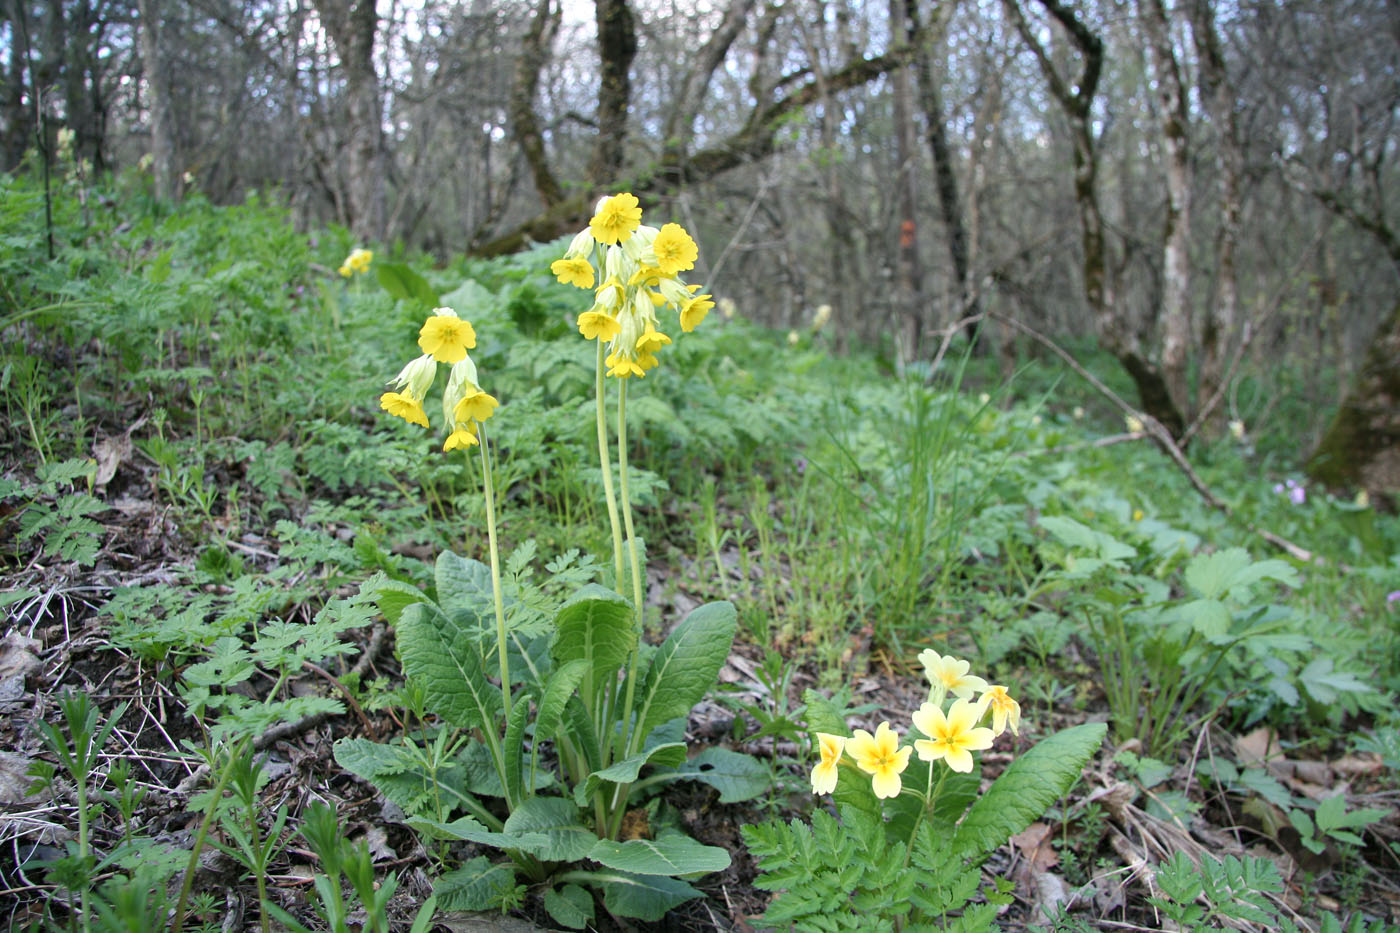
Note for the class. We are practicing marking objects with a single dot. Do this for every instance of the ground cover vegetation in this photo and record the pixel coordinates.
(668, 621)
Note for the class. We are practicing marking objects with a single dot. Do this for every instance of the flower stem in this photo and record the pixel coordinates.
(606, 463)
(487, 485)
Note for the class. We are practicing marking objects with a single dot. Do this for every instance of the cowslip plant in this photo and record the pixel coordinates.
(548, 715)
(913, 831)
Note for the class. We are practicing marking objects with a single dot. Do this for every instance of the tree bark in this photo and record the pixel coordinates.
(1175, 310)
(1221, 320)
(909, 303)
(156, 69)
(18, 115)
(1362, 446)
(351, 25)
(524, 125)
(617, 47)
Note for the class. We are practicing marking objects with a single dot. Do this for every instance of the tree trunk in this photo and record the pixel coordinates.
(352, 25)
(1362, 446)
(909, 305)
(524, 125)
(1221, 320)
(18, 114)
(156, 69)
(1175, 311)
(617, 46)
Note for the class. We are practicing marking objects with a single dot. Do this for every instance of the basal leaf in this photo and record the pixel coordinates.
(671, 853)
(596, 626)
(1028, 787)
(559, 686)
(442, 655)
(644, 897)
(687, 663)
(391, 597)
(464, 587)
(513, 748)
(557, 819)
(477, 885)
(625, 771)
(571, 906)
(473, 831)
(735, 775)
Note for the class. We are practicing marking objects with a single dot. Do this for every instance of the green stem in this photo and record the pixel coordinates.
(601, 417)
(637, 595)
(496, 586)
(201, 835)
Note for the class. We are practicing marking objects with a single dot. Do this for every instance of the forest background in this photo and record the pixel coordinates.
(1199, 186)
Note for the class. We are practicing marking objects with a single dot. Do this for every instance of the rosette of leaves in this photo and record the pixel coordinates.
(551, 791)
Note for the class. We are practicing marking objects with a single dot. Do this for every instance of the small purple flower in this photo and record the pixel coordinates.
(801, 464)
(1392, 597)
(1278, 489)
(1297, 495)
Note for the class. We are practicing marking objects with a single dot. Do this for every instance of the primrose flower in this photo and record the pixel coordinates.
(577, 272)
(623, 366)
(1078, 413)
(404, 406)
(598, 325)
(728, 308)
(694, 312)
(1133, 424)
(446, 336)
(820, 319)
(475, 405)
(675, 250)
(950, 674)
(1005, 711)
(357, 261)
(615, 218)
(462, 437)
(416, 378)
(881, 757)
(1237, 430)
(651, 341)
(952, 737)
(824, 774)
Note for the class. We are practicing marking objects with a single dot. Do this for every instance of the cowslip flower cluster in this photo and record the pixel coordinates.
(357, 262)
(443, 338)
(633, 270)
(949, 735)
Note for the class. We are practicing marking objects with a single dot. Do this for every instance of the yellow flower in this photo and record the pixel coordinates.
(1005, 711)
(1133, 423)
(475, 406)
(694, 312)
(624, 367)
(360, 259)
(462, 437)
(403, 406)
(647, 361)
(652, 340)
(953, 737)
(950, 673)
(616, 218)
(675, 250)
(345, 269)
(1137, 515)
(824, 774)
(446, 336)
(881, 757)
(595, 325)
(578, 272)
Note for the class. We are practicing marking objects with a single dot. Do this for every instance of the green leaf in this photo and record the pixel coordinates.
(1324, 684)
(402, 282)
(1332, 815)
(671, 853)
(559, 686)
(513, 748)
(735, 775)
(557, 819)
(570, 906)
(643, 897)
(477, 885)
(1207, 616)
(442, 656)
(471, 830)
(627, 770)
(687, 663)
(1213, 576)
(464, 588)
(1026, 789)
(597, 627)
(391, 596)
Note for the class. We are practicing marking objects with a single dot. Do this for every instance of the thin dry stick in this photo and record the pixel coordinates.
(1154, 429)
